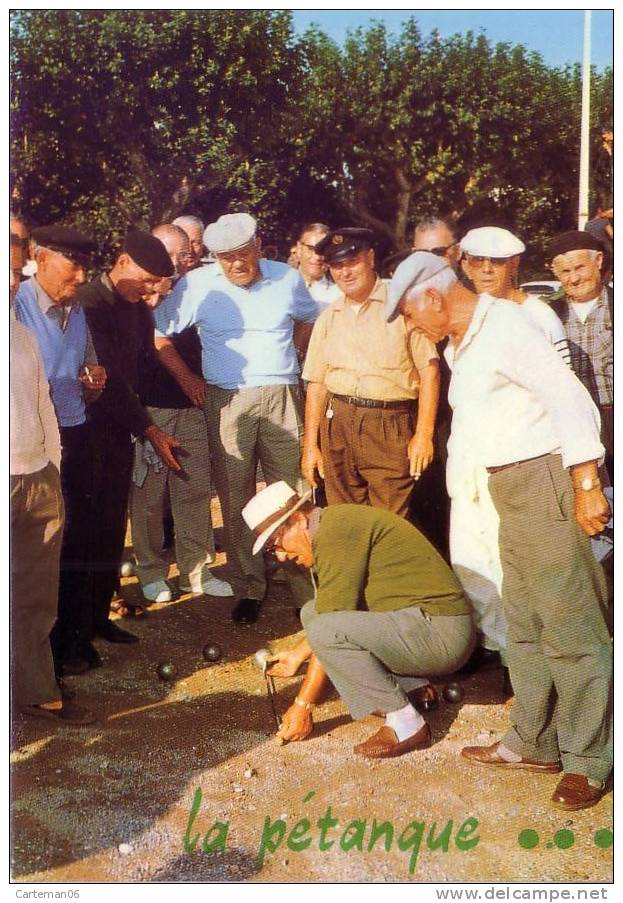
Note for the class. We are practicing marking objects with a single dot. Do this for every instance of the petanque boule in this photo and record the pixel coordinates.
(263, 658)
(166, 671)
(453, 693)
(127, 569)
(212, 652)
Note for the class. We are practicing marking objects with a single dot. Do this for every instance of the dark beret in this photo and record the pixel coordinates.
(339, 244)
(67, 241)
(148, 253)
(573, 241)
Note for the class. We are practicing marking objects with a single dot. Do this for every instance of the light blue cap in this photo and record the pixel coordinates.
(419, 267)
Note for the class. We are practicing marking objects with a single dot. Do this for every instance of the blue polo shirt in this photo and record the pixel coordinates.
(246, 333)
(65, 344)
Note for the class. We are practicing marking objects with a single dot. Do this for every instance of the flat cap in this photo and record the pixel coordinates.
(418, 268)
(491, 241)
(339, 244)
(229, 233)
(148, 253)
(573, 241)
(67, 241)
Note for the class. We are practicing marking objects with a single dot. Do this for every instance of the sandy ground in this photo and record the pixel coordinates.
(112, 802)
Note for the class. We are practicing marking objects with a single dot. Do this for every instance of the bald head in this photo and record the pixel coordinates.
(177, 244)
(194, 228)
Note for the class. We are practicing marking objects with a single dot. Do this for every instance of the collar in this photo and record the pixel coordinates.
(485, 302)
(111, 295)
(378, 293)
(43, 299)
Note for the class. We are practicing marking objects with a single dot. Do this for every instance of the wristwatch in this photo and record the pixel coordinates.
(588, 483)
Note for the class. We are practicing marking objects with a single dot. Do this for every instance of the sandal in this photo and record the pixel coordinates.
(126, 610)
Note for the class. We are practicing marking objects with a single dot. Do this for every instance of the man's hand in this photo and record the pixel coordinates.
(195, 388)
(284, 664)
(592, 510)
(93, 377)
(297, 724)
(163, 443)
(421, 452)
(311, 461)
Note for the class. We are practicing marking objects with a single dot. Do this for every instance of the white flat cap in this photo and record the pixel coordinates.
(270, 508)
(417, 268)
(229, 233)
(491, 241)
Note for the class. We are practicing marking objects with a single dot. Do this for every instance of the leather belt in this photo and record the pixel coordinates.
(404, 404)
(514, 464)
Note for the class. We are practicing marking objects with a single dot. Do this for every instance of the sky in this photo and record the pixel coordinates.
(556, 34)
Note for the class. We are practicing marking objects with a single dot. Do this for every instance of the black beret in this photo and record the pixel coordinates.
(67, 241)
(342, 243)
(148, 253)
(573, 241)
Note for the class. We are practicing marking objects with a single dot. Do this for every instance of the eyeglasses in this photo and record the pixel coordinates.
(479, 262)
(18, 242)
(273, 543)
(304, 244)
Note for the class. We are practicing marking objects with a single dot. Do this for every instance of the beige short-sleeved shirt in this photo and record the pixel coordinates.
(354, 351)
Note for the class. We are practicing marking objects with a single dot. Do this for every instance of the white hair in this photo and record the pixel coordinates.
(442, 281)
(188, 221)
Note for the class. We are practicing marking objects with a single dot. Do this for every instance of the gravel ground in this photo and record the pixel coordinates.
(113, 802)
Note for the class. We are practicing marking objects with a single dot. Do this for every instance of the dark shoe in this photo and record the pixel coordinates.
(69, 714)
(574, 792)
(91, 654)
(77, 665)
(480, 658)
(507, 687)
(386, 745)
(424, 699)
(488, 755)
(246, 611)
(66, 694)
(113, 634)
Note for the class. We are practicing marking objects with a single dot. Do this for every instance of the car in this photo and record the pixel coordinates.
(541, 287)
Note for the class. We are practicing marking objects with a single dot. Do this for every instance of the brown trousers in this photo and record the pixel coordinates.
(37, 517)
(365, 456)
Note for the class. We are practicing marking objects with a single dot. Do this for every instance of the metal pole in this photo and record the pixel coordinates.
(585, 129)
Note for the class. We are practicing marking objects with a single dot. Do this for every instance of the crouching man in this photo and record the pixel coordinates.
(387, 605)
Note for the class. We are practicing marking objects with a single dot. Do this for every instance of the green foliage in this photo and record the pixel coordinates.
(129, 117)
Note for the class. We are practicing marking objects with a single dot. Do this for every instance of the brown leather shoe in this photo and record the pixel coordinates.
(488, 755)
(386, 745)
(574, 792)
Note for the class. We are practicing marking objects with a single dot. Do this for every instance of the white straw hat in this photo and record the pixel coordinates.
(270, 508)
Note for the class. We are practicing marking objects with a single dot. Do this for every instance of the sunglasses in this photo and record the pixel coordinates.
(441, 252)
(479, 262)
(273, 543)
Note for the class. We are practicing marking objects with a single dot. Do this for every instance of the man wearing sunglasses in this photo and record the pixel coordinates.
(312, 266)
(437, 236)
(387, 607)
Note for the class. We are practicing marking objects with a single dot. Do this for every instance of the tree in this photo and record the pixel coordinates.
(127, 117)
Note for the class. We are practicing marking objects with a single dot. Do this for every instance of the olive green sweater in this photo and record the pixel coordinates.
(370, 559)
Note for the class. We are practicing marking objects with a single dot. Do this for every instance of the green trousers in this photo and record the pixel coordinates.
(554, 596)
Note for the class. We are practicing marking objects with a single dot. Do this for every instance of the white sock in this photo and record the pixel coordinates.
(405, 722)
(507, 754)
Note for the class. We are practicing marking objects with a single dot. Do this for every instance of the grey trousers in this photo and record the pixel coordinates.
(37, 516)
(246, 426)
(363, 651)
(554, 595)
(190, 501)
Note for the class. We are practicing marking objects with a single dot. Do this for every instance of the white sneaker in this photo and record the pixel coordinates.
(209, 585)
(158, 591)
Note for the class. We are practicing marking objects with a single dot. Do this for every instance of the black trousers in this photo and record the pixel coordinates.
(111, 451)
(74, 592)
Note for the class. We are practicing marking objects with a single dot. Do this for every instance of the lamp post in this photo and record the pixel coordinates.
(585, 125)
